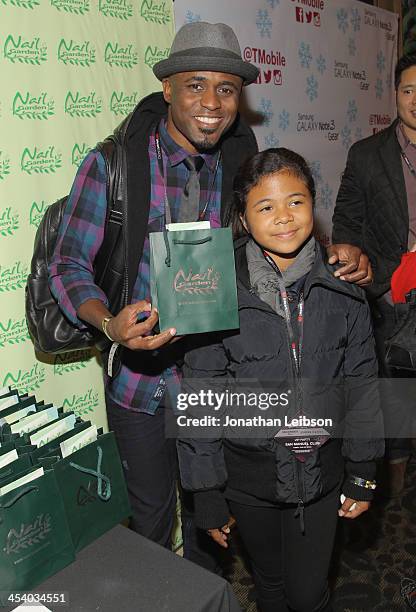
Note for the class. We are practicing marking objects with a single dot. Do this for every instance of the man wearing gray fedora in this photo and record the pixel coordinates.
(181, 150)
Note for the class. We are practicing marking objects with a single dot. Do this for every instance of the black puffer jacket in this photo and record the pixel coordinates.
(339, 380)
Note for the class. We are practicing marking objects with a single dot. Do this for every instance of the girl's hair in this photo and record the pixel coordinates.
(254, 169)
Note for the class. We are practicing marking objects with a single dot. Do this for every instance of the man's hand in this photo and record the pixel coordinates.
(351, 508)
(220, 536)
(125, 330)
(357, 267)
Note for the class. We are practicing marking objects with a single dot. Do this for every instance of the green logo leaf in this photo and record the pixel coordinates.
(77, 7)
(4, 166)
(123, 57)
(76, 54)
(155, 12)
(41, 161)
(25, 51)
(13, 331)
(9, 221)
(26, 381)
(77, 105)
(36, 213)
(28, 106)
(120, 9)
(27, 4)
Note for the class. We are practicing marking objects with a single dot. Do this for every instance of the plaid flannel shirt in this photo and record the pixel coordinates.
(81, 234)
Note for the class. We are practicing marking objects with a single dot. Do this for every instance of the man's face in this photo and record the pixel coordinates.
(202, 106)
(406, 101)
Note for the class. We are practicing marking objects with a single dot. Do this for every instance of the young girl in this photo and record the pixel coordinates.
(305, 331)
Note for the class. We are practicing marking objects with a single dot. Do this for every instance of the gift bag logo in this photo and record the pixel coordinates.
(201, 283)
(28, 534)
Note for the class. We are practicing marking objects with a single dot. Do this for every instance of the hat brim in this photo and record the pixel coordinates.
(172, 65)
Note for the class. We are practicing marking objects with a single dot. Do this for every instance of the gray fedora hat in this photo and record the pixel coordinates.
(206, 46)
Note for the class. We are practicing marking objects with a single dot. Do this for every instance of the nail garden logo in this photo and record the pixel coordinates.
(154, 54)
(26, 381)
(28, 534)
(72, 361)
(27, 4)
(27, 106)
(79, 7)
(78, 153)
(41, 161)
(13, 331)
(4, 165)
(13, 277)
(121, 103)
(81, 404)
(123, 57)
(37, 210)
(9, 221)
(26, 51)
(156, 12)
(76, 54)
(122, 9)
(77, 105)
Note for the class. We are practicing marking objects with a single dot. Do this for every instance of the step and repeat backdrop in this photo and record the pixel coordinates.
(326, 77)
(71, 71)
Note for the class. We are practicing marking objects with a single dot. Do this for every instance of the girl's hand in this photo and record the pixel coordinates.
(351, 508)
(220, 536)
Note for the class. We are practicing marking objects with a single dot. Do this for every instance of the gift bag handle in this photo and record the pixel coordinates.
(103, 484)
(177, 241)
(17, 497)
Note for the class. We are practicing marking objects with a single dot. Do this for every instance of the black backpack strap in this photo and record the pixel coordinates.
(110, 263)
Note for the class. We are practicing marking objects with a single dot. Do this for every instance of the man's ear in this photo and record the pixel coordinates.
(167, 90)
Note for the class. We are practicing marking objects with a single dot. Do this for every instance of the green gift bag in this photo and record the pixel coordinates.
(93, 489)
(193, 281)
(35, 542)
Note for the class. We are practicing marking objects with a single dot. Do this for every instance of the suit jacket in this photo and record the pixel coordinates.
(371, 209)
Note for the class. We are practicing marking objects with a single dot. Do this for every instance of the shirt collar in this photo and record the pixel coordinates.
(402, 137)
(176, 154)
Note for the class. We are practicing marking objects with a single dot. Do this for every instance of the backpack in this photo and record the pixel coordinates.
(50, 330)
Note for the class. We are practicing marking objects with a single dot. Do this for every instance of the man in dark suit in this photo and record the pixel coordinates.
(375, 213)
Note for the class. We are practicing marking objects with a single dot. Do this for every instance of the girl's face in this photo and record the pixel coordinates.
(279, 216)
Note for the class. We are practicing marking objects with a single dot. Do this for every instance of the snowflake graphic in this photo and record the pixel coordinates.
(352, 111)
(381, 61)
(321, 64)
(191, 17)
(352, 48)
(342, 17)
(266, 110)
(355, 19)
(358, 133)
(273, 3)
(379, 89)
(271, 140)
(305, 56)
(284, 120)
(346, 136)
(325, 197)
(264, 23)
(315, 167)
(311, 88)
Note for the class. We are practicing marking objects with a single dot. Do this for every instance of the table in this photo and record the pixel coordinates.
(124, 572)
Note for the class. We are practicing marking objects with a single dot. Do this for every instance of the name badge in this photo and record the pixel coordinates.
(302, 441)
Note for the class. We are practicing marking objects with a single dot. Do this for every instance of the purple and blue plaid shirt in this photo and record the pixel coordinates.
(81, 234)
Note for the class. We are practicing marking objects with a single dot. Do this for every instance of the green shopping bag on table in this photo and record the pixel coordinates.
(35, 541)
(193, 281)
(93, 489)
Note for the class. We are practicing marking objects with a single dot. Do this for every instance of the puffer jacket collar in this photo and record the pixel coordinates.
(321, 274)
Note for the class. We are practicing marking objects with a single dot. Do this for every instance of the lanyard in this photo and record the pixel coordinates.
(168, 215)
(408, 163)
(295, 346)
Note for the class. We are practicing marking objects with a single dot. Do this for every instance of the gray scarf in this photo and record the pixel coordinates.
(263, 278)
